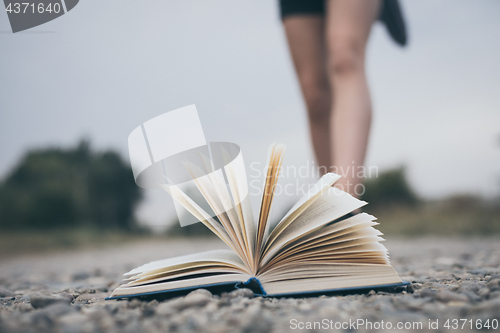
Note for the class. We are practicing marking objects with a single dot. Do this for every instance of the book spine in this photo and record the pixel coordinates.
(254, 285)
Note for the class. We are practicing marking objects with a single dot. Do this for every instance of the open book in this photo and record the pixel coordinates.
(320, 246)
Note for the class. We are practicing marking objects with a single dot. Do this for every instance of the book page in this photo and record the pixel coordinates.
(273, 171)
(201, 215)
(196, 259)
(329, 206)
(214, 190)
(323, 184)
(364, 243)
(353, 248)
(188, 283)
(322, 269)
(328, 231)
(355, 232)
(236, 175)
(389, 276)
(210, 268)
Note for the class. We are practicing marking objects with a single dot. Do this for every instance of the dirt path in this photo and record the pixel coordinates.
(64, 292)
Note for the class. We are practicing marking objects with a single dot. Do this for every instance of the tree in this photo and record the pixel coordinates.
(391, 187)
(54, 188)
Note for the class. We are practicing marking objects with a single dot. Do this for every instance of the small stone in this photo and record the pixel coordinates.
(24, 298)
(471, 296)
(23, 307)
(483, 292)
(132, 326)
(165, 309)
(195, 300)
(200, 291)
(192, 300)
(410, 302)
(445, 261)
(148, 309)
(426, 293)
(305, 307)
(494, 294)
(66, 295)
(115, 306)
(456, 304)
(449, 296)
(487, 309)
(6, 293)
(243, 292)
(479, 271)
(80, 276)
(470, 286)
(76, 322)
(45, 319)
(434, 286)
(415, 286)
(494, 284)
(91, 298)
(134, 303)
(41, 301)
(93, 288)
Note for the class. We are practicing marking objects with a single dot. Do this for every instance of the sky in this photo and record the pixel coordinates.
(107, 66)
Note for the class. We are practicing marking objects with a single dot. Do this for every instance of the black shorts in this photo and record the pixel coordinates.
(390, 15)
(302, 7)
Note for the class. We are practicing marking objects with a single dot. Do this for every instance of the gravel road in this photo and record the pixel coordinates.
(452, 279)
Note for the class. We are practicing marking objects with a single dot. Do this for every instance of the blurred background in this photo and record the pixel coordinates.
(74, 88)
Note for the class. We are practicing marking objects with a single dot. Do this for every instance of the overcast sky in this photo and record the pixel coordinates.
(107, 66)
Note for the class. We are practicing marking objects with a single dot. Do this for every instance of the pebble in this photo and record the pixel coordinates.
(47, 316)
(165, 309)
(494, 294)
(91, 298)
(80, 276)
(243, 292)
(41, 301)
(193, 299)
(6, 293)
(463, 282)
(470, 286)
(450, 296)
(494, 284)
(91, 289)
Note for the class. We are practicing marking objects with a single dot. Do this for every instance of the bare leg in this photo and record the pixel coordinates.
(306, 41)
(348, 27)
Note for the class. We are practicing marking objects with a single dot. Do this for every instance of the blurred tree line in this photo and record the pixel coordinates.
(64, 188)
(401, 211)
(390, 188)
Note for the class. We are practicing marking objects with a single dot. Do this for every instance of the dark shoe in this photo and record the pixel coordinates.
(392, 17)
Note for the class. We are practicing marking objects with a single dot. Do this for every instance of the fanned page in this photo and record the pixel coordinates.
(273, 171)
(236, 175)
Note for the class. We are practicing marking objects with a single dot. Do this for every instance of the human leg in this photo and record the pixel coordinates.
(348, 25)
(305, 35)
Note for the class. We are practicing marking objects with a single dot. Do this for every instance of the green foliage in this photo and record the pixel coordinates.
(60, 188)
(193, 230)
(390, 188)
